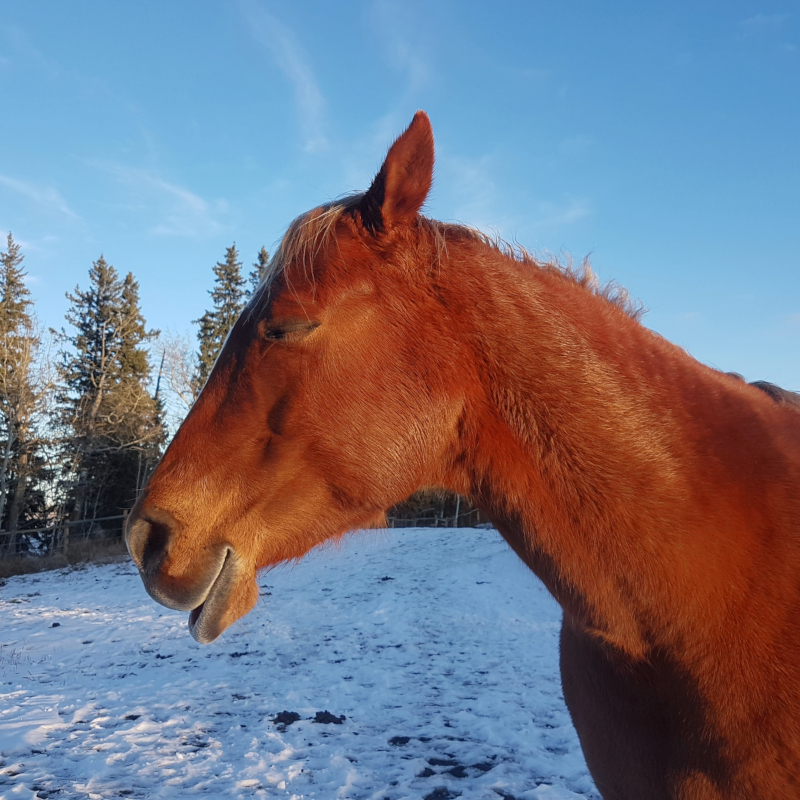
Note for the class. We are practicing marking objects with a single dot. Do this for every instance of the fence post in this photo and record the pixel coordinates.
(64, 544)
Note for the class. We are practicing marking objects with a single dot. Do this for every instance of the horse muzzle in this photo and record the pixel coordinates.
(206, 595)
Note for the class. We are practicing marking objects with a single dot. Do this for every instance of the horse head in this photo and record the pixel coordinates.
(334, 397)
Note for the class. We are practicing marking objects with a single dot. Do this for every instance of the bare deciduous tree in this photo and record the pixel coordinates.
(178, 385)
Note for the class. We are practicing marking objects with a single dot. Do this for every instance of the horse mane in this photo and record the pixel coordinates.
(310, 232)
(783, 397)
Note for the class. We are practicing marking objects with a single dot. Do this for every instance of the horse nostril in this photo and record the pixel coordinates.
(156, 545)
(148, 541)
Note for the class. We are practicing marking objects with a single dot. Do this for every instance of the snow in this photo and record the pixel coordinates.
(439, 647)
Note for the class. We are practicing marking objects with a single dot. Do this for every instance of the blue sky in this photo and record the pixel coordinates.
(664, 141)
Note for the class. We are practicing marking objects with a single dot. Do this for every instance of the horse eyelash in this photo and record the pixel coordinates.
(292, 332)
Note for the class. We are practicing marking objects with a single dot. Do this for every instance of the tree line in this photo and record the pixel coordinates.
(85, 412)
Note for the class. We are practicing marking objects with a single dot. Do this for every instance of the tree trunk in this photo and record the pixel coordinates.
(7, 447)
(78, 509)
(15, 507)
(87, 449)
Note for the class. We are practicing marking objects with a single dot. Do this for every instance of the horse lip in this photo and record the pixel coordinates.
(182, 595)
(204, 619)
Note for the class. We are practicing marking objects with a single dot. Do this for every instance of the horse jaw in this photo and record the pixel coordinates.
(232, 594)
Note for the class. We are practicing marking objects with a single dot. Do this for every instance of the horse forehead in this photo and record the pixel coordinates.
(319, 259)
(339, 267)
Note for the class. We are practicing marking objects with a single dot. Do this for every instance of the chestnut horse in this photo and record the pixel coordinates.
(657, 499)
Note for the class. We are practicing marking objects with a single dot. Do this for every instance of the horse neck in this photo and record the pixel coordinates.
(589, 443)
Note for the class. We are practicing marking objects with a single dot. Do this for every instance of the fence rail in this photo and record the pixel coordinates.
(58, 525)
(431, 518)
(60, 536)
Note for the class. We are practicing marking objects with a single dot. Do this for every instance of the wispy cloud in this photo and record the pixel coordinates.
(362, 157)
(44, 196)
(393, 24)
(18, 42)
(765, 28)
(395, 35)
(475, 199)
(557, 215)
(575, 145)
(287, 53)
(533, 74)
(761, 22)
(26, 244)
(180, 211)
(471, 187)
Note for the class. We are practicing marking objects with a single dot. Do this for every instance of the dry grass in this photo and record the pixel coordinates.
(87, 551)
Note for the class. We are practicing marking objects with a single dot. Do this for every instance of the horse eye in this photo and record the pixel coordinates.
(289, 331)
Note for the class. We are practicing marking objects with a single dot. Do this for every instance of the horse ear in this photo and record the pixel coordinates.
(404, 180)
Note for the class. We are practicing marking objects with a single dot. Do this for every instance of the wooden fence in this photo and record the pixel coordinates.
(59, 536)
(434, 518)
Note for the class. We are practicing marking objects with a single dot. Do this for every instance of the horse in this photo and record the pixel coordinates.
(658, 499)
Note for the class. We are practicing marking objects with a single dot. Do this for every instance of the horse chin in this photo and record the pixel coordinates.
(219, 608)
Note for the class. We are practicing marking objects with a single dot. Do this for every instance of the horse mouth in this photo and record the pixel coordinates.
(206, 621)
(194, 616)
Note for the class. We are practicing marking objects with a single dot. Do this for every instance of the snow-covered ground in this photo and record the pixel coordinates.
(437, 646)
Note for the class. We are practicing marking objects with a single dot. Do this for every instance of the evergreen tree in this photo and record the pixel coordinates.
(258, 271)
(15, 299)
(22, 390)
(228, 297)
(113, 429)
(141, 430)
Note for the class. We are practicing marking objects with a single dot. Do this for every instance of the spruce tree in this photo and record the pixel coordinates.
(113, 429)
(141, 431)
(258, 271)
(15, 299)
(228, 297)
(22, 389)
(15, 334)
